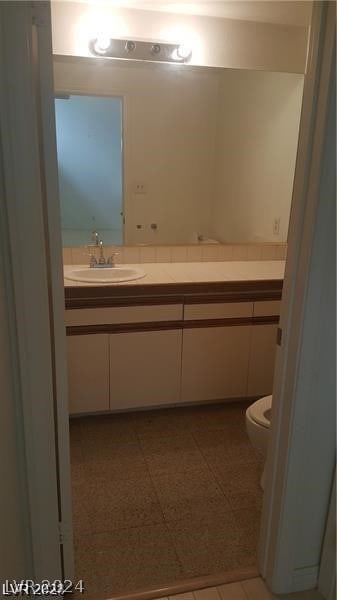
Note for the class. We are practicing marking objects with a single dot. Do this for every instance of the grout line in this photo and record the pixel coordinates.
(217, 481)
(162, 511)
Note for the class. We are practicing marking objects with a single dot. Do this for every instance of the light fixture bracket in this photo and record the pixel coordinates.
(140, 50)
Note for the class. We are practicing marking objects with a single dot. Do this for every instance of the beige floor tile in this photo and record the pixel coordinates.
(219, 416)
(177, 453)
(222, 448)
(106, 459)
(78, 473)
(76, 429)
(247, 522)
(234, 591)
(130, 472)
(157, 423)
(240, 477)
(222, 439)
(76, 458)
(207, 594)
(114, 427)
(101, 505)
(240, 482)
(256, 589)
(128, 560)
(248, 499)
(209, 545)
(187, 495)
(309, 595)
(75, 444)
(231, 591)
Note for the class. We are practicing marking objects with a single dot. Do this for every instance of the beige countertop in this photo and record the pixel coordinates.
(194, 272)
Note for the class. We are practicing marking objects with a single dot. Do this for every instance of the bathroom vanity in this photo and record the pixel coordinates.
(184, 333)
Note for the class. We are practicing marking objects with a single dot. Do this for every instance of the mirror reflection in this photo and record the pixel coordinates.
(89, 151)
(173, 154)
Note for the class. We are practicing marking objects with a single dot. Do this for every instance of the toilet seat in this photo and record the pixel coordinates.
(260, 411)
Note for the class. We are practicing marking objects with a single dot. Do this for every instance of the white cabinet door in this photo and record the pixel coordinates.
(215, 363)
(262, 360)
(88, 373)
(145, 368)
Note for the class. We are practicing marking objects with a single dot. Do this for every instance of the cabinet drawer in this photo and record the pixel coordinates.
(218, 310)
(267, 308)
(123, 314)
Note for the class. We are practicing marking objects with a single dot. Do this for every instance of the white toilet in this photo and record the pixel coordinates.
(258, 418)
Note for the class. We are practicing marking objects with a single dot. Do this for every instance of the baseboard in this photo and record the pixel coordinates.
(190, 585)
(182, 404)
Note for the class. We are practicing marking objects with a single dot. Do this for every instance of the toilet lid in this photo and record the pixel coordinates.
(260, 411)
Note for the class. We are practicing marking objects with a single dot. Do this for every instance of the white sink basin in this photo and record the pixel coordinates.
(108, 275)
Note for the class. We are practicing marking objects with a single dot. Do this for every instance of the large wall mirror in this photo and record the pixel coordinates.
(173, 154)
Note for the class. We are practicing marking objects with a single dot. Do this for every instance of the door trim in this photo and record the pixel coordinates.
(292, 410)
(30, 205)
(327, 573)
(52, 216)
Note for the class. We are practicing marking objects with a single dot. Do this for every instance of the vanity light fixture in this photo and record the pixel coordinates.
(130, 46)
(155, 49)
(101, 45)
(139, 50)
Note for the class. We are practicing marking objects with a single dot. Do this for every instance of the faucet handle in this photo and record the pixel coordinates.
(111, 259)
(92, 259)
(101, 259)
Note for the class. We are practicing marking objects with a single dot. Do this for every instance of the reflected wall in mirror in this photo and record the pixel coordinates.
(208, 154)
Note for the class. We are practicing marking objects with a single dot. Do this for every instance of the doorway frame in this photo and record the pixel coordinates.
(40, 449)
(34, 277)
(286, 452)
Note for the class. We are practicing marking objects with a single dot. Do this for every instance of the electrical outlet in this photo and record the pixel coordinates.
(276, 227)
(139, 187)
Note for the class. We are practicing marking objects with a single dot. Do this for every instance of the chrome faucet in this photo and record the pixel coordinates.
(101, 262)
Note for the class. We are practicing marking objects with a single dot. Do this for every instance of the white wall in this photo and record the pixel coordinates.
(215, 42)
(258, 134)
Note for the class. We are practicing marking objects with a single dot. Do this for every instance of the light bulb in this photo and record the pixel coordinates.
(184, 52)
(102, 44)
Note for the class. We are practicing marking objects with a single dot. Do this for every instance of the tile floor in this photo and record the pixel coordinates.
(162, 496)
(252, 589)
